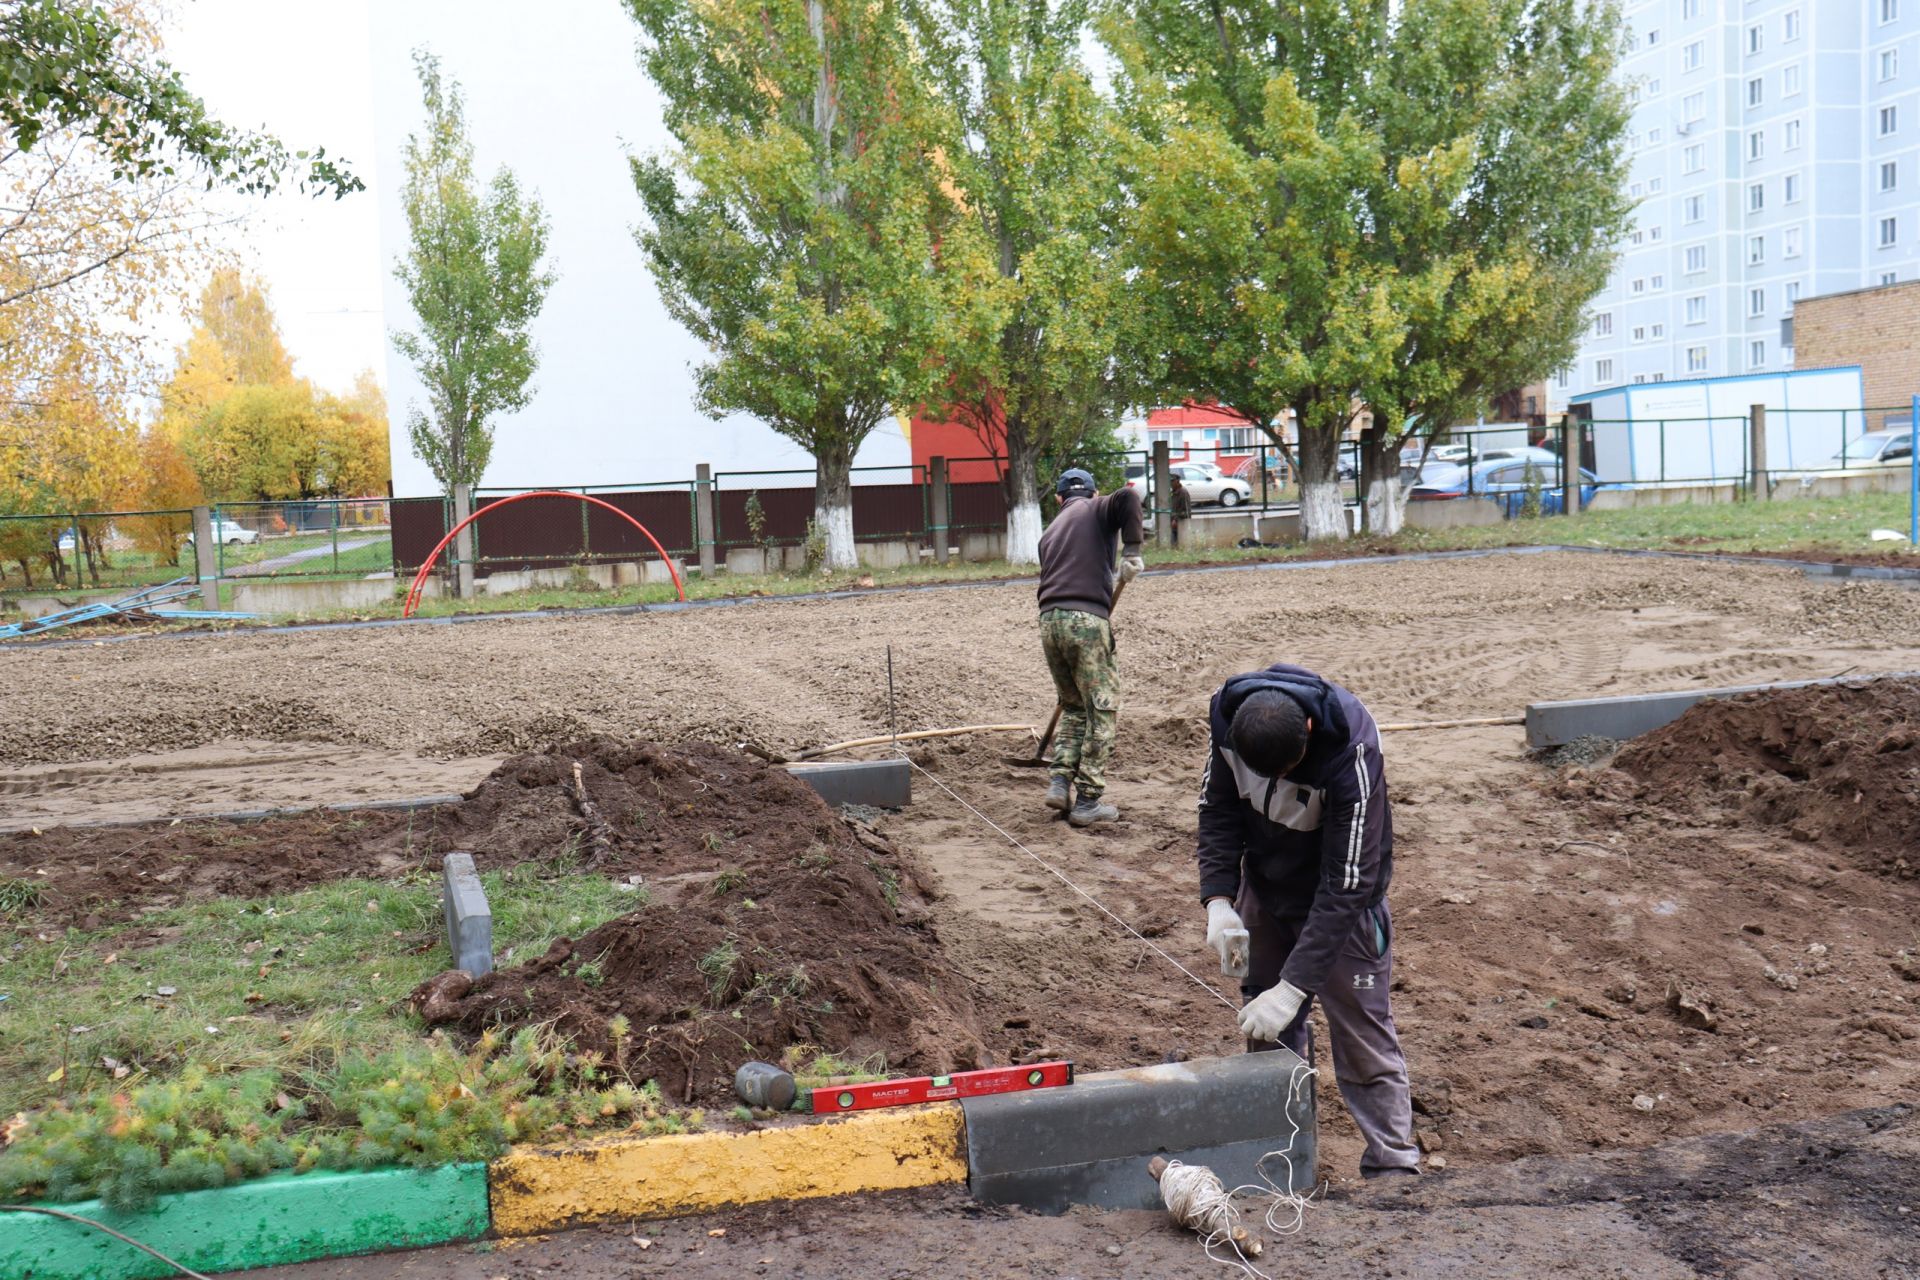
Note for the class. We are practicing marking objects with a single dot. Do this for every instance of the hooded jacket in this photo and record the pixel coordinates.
(1316, 844)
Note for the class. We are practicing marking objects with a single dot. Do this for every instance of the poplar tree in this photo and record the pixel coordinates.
(476, 281)
(1345, 205)
(1035, 154)
(805, 227)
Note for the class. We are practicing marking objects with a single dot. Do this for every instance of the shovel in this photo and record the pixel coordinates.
(1042, 754)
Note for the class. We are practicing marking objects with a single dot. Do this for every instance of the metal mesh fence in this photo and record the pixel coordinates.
(99, 550)
(321, 538)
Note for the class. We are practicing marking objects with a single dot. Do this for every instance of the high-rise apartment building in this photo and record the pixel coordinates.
(1775, 150)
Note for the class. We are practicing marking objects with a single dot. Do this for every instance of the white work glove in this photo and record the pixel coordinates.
(1271, 1012)
(1220, 918)
(1131, 567)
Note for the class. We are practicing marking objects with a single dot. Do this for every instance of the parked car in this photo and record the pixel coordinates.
(1505, 480)
(230, 534)
(1876, 449)
(1205, 482)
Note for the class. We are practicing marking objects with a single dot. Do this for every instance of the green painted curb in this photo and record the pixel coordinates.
(285, 1218)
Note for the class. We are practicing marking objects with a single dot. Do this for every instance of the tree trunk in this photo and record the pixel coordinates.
(1380, 465)
(1023, 495)
(1323, 508)
(833, 505)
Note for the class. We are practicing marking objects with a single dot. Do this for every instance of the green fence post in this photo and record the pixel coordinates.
(335, 506)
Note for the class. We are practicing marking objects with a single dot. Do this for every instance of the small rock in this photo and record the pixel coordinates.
(1817, 949)
(1114, 1251)
(1785, 981)
(1428, 1140)
(1907, 965)
(640, 1242)
(1433, 1097)
(1622, 992)
(1536, 1023)
(1437, 1162)
(717, 1233)
(1754, 929)
(437, 999)
(1643, 1102)
(1693, 1010)
(166, 991)
(1458, 898)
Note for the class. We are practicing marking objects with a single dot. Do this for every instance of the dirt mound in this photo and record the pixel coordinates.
(1835, 763)
(771, 922)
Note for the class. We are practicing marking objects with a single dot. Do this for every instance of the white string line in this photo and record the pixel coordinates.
(1061, 877)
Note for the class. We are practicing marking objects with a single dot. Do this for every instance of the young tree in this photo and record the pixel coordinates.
(1034, 155)
(1350, 205)
(235, 312)
(475, 278)
(806, 229)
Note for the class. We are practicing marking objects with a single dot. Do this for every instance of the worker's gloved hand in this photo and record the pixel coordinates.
(1221, 917)
(1271, 1012)
(1131, 567)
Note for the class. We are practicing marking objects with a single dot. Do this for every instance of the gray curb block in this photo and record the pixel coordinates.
(877, 784)
(1089, 1143)
(1554, 724)
(469, 918)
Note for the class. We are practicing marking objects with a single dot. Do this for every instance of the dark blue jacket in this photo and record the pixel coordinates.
(1315, 845)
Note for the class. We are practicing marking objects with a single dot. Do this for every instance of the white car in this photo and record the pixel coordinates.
(227, 533)
(1206, 482)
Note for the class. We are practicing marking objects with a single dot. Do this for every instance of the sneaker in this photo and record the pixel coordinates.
(1088, 810)
(1059, 794)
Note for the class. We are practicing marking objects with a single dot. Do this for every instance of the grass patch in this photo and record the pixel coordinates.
(284, 983)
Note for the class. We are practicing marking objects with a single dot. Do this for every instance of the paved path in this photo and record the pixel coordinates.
(293, 558)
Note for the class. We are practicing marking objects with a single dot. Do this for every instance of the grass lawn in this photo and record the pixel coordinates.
(231, 1037)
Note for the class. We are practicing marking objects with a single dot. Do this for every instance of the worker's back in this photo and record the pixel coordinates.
(1077, 550)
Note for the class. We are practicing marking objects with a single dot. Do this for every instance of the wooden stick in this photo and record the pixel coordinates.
(599, 834)
(1452, 724)
(916, 736)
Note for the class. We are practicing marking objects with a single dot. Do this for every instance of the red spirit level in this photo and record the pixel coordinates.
(961, 1084)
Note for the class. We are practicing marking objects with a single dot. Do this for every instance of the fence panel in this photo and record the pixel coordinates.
(104, 551)
(889, 511)
(784, 514)
(666, 512)
(979, 505)
(418, 526)
(312, 538)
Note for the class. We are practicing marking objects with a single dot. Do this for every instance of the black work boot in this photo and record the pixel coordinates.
(1089, 809)
(1059, 793)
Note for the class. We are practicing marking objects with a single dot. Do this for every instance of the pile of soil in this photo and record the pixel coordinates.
(773, 922)
(1836, 764)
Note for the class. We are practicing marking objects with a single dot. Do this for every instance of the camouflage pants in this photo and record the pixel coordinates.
(1079, 649)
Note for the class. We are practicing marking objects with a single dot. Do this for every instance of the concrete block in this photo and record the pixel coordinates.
(878, 784)
(469, 918)
(885, 555)
(1554, 724)
(1089, 1142)
(1459, 513)
(293, 596)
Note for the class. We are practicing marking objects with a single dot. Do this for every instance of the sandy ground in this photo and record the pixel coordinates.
(1537, 933)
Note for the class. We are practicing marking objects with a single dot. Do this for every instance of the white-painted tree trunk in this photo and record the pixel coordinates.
(1323, 510)
(836, 521)
(1023, 531)
(1023, 495)
(1386, 505)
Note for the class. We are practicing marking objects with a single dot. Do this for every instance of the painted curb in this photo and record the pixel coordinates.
(1628, 715)
(538, 1189)
(283, 1218)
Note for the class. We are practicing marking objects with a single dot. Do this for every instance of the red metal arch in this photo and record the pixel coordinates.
(420, 579)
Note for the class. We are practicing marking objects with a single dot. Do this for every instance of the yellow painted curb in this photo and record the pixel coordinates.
(541, 1188)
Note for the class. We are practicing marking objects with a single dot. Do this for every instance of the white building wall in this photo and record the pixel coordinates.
(1757, 150)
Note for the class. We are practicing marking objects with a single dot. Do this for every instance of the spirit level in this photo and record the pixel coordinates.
(961, 1084)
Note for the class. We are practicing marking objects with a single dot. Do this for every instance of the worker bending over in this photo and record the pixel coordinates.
(1078, 582)
(1296, 847)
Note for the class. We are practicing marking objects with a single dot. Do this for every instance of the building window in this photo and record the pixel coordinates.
(1697, 309)
(1756, 91)
(1653, 234)
(1756, 302)
(1793, 293)
(1603, 325)
(1889, 63)
(1563, 379)
(1889, 232)
(1633, 96)
(1757, 354)
(1659, 377)
(1602, 372)
(1655, 185)
(1756, 250)
(1696, 258)
(1889, 174)
(1790, 189)
(1640, 282)
(1693, 107)
(1756, 145)
(1653, 87)
(1637, 189)
(1792, 135)
(1653, 37)
(1790, 246)
(1639, 378)
(1790, 80)
(1889, 277)
(1790, 25)
(1756, 197)
(1694, 158)
(1659, 283)
(1693, 210)
(1889, 11)
(1754, 39)
(1889, 120)
(1637, 238)
(1639, 333)
(1653, 136)
(1658, 332)
(1696, 359)
(1691, 55)
(1689, 10)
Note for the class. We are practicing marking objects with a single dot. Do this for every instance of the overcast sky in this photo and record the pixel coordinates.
(554, 92)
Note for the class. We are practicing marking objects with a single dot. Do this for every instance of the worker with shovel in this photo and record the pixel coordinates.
(1078, 585)
(1296, 850)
